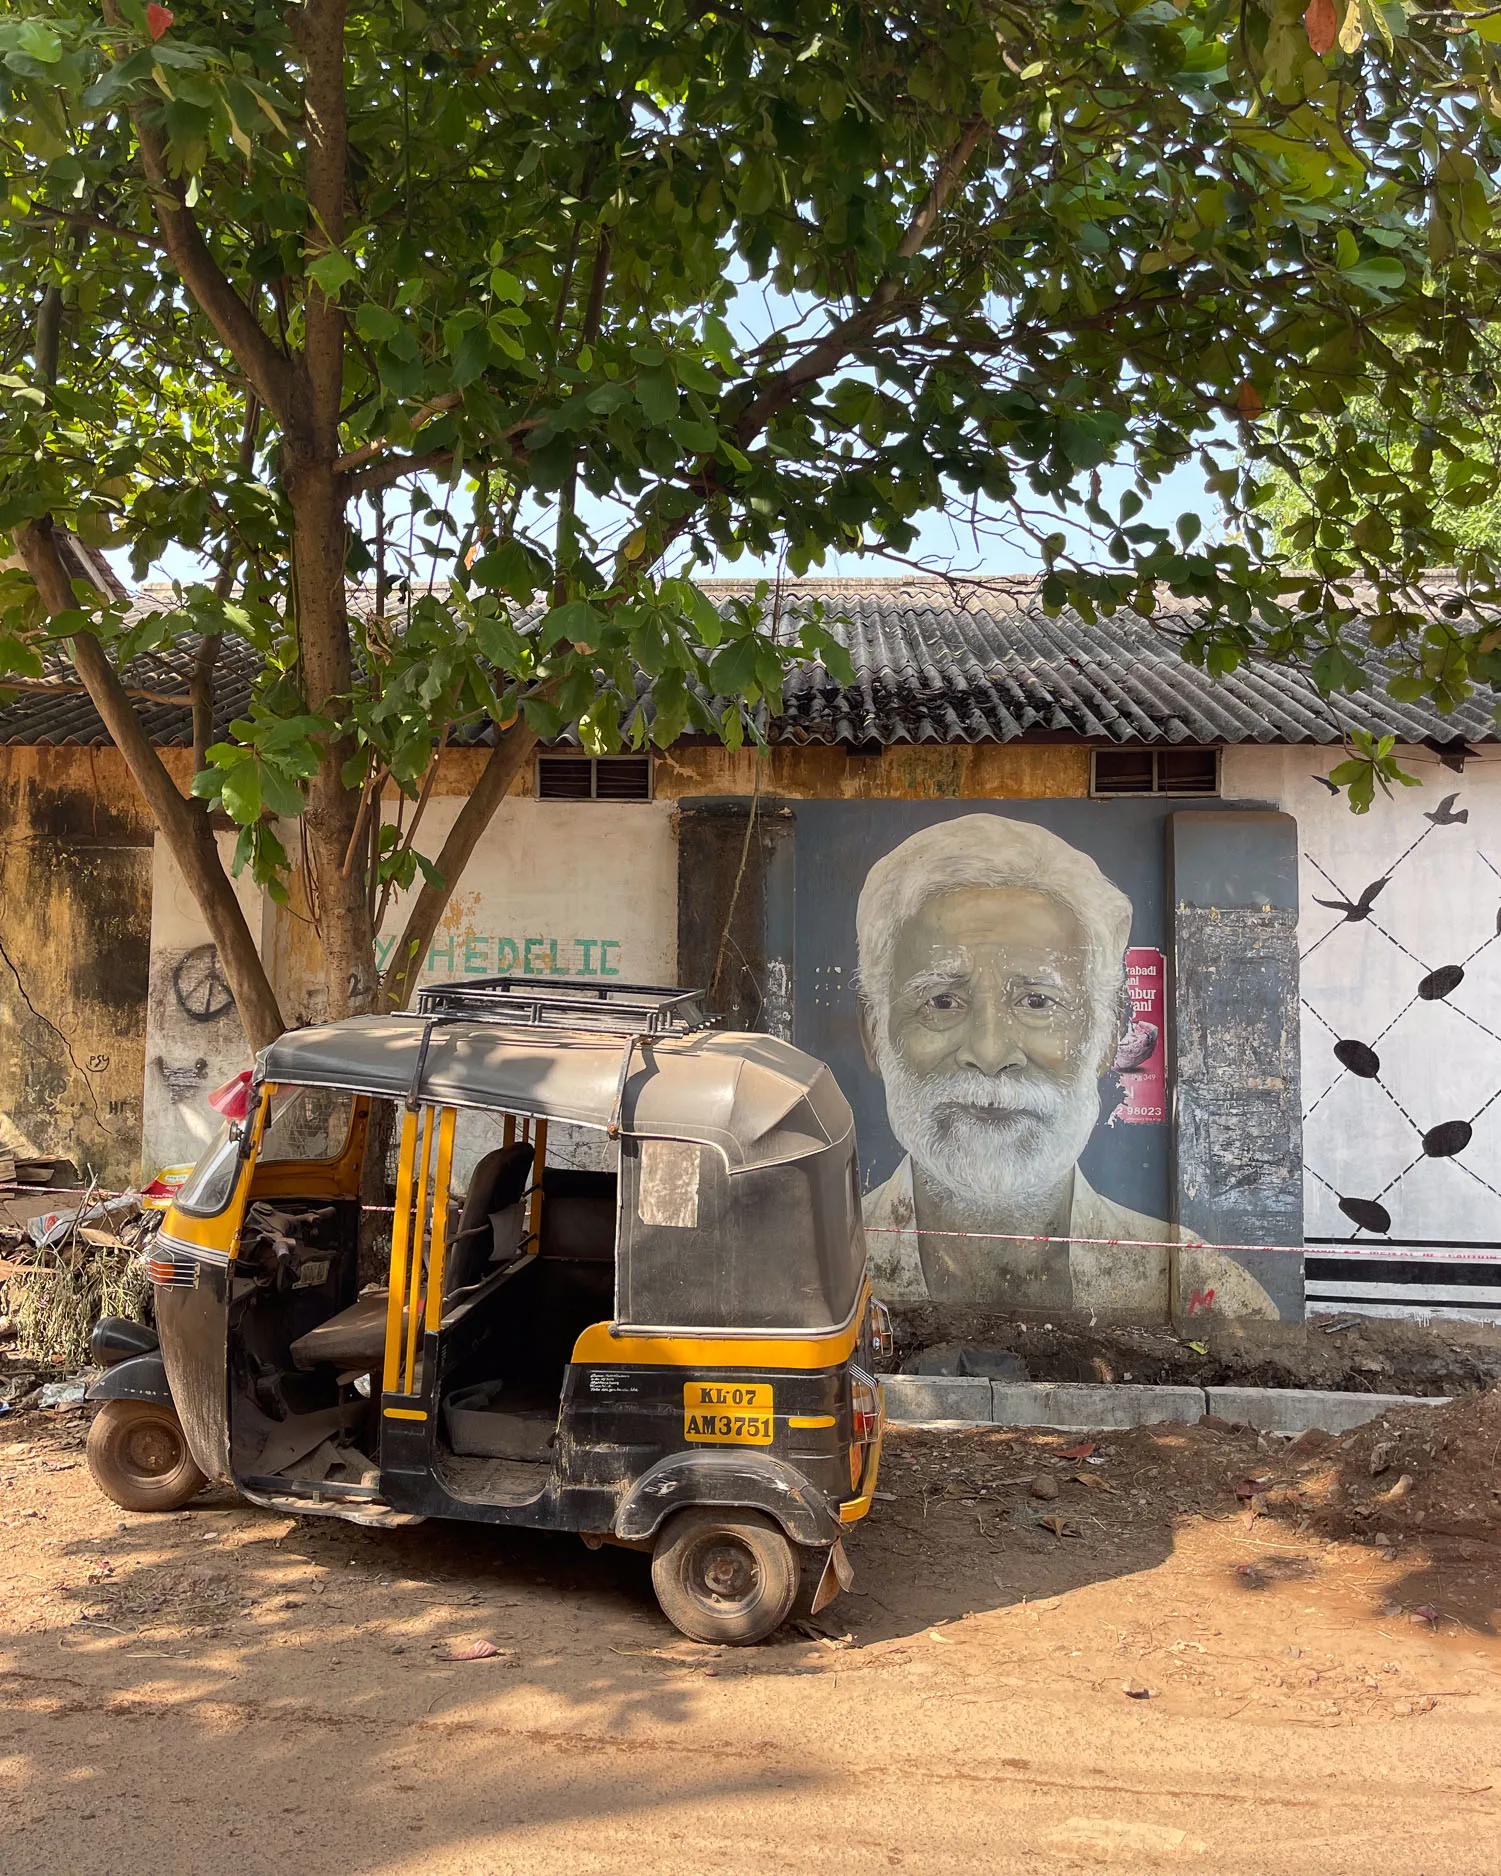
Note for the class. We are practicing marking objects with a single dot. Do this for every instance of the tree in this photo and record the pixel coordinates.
(1309, 513)
(263, 267)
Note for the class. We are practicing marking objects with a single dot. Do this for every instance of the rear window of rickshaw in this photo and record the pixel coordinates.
(774, 1247)
(307, 1124)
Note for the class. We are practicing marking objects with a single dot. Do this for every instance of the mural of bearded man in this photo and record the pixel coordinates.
(992, 993)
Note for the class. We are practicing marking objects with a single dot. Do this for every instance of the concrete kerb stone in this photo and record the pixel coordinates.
(1087, 1407)
(955, 1401)
(1067, 1406)
(923, 1397)
(1297, 1410)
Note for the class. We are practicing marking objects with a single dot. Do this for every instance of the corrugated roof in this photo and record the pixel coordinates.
(931, 666)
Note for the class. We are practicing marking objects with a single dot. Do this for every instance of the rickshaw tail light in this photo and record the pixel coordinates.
(865, 1408)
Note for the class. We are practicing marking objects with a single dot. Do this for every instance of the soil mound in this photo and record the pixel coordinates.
(1417, 1471)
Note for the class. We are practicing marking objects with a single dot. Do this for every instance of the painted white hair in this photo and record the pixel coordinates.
(990, 850)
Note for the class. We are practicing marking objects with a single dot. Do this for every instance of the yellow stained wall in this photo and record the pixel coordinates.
(75, 930)
(907, 772)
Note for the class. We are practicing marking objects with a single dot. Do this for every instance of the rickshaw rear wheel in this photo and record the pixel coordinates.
(138, 1455)
(724, 1576)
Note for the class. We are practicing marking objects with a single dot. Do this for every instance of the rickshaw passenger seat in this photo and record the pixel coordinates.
(487, 1224)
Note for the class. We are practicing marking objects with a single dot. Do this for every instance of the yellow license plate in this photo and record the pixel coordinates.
(728, 1413)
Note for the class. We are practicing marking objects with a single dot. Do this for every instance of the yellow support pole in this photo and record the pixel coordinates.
(438, 1256)
(508, 1136)
(401, 1234)
(419, 1237)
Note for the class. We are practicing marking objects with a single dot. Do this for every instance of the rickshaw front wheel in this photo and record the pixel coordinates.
(138, 1455)
(725, 1576)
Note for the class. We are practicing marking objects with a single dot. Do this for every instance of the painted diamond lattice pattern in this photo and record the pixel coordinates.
(1401, 994)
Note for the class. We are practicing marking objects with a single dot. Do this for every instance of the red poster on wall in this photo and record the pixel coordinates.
(1141, 1059)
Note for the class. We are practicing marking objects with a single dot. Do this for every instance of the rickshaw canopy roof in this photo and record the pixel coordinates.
(757, 1098)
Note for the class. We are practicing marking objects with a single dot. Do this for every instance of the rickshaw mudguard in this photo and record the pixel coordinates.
(753, 1481)
(142, 1377)
(193, 1323)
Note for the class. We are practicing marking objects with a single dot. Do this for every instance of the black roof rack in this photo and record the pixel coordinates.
(611, 1009)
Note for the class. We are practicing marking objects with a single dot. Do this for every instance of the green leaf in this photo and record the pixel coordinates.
(1377, 276)
(657, 394)
(575, 619)
(38, 41)
(332, 271)
(1333, 669)
(240, 791)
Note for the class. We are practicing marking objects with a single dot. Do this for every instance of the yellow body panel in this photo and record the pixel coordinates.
(854, 1509)
(601, 1346)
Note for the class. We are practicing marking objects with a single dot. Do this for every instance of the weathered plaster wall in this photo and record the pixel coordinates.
(75, 914)
(1403, 1123)
(194, 1041)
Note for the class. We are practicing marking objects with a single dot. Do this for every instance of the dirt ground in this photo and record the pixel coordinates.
(1157, 1657)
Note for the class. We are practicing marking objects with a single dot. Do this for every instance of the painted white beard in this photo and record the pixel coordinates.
(1006, 1163)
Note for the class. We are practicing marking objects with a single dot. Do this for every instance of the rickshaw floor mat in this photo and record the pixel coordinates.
(493, 1481)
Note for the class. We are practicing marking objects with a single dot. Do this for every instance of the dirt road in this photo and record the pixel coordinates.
(231, 1689)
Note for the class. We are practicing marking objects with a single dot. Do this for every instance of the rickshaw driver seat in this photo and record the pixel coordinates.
(489, 1226)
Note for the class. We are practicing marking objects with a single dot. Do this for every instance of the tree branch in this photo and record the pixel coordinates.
(823, 356)
(185, 825)
(267, 369)
(320, 33)
(54, 217)
(513, 748)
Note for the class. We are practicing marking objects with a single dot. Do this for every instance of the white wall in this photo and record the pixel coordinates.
(1440, 1057)
(558, 889)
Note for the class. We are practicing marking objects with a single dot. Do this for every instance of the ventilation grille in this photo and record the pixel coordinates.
(593, 778)
(1156, 772)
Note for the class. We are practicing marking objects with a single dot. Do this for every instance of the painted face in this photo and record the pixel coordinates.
(991, 978)
(988, 1047)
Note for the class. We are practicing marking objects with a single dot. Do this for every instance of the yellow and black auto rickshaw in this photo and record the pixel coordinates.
(674, 1353)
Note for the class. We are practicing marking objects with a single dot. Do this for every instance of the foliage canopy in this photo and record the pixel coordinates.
(263, 267)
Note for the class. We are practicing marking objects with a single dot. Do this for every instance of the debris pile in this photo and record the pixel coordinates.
(64, 1269)
(1415, 1472)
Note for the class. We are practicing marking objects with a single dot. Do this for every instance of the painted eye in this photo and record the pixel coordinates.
(1038, 1000)
(944, 1002)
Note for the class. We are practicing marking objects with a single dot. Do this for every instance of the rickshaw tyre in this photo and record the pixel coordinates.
(138, 1456)
(761, 1562)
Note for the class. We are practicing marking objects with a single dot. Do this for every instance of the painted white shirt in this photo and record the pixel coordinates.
(1116, 1281)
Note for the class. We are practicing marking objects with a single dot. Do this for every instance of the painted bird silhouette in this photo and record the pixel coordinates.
(1333, 787)
(1444, 816)
(1362, 906)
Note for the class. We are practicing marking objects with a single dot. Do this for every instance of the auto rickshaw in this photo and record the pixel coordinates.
(673, 1354)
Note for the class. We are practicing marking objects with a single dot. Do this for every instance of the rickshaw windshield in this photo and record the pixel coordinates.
(307, 1124)
(206, 1190)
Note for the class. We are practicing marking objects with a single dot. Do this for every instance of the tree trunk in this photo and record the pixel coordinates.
(319, 495)
(341, 905)
(184, 824)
